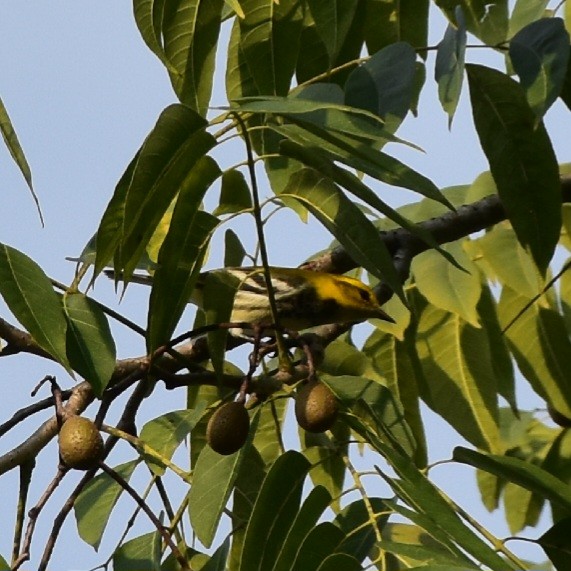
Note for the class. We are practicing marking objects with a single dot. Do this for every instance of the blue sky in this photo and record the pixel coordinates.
(83, 91)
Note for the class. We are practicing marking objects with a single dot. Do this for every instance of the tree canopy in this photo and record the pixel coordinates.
(474, 276)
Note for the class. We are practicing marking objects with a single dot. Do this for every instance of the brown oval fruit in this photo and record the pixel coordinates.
(316, 408)
(80, 443)
(228, 428)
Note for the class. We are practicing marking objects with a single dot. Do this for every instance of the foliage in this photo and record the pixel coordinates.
(315, 90)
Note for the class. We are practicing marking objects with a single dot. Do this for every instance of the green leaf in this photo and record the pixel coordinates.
(274, 512)
(486, 19)
(384, 84)
(29, 295)
(310, 105)
(142, 553)
(165, 433)
(392, 21)
(339, 562)
(90, 345)
(360, 156)
(511, 264)
(447, 287)
(460, 381)
(539, 54)
(4, 564)
(521, 159)
(15, 149)
(312, 509)
(96, 501)
(182, 253)
(540, 344)
(217, 302)
(525, 12)
(190, 30)
(213, 480)
(269, 42)
(415, 489)
(522, 507)
(398, 362)
(332, 21)
(235, 194)
(566, 87)
(359, 530)
(234, 252)
(149, 186)
(346, 222)
(328, 467)
(557, 544)
(520, 472)
(449, 67)
(219, 558)
(499, 353)
(321, 541)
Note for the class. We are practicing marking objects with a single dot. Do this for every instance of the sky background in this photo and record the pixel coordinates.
(83, 91)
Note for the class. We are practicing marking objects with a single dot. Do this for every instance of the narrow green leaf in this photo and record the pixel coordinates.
(310, 512)
(461, 385)
(360, 156)
(15, 149)
(182, 253)
(449, 67)
(346, 222)
(540, 345)
(566, 87)
(29, 295)
(165, 433)
(447, 287)
(520, 472)
(90, 345)
(521, 159)
(213, 480)
(142, 553)
(539, 54)
(96, 501)
(384, 84)
(270, 36)
(274, 512)
(148, 16)
(219, 558)
(190, 30)
(4, 564)
(235, 195)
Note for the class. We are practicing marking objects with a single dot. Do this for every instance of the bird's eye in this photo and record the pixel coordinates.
(365, 296)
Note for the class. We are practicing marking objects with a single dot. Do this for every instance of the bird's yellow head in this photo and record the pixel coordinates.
(354, 300)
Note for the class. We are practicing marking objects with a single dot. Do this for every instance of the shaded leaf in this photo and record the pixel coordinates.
(556, 543)
(141, 553)
(235, 194)
(321, 541)
(274, 511)
(540, 54)
(521, 159)
(384, 84)
(90, 345)
(29, 295)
